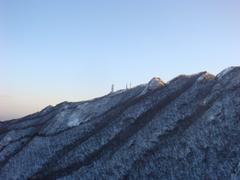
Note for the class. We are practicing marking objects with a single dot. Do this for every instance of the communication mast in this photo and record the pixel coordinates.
(112, 88)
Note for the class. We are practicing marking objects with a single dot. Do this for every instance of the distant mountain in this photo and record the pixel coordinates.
(187, 128)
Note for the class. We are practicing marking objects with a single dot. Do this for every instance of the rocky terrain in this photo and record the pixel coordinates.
(187, 128)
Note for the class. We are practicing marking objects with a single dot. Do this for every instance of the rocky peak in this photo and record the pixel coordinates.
(155, 83)
(206, 76)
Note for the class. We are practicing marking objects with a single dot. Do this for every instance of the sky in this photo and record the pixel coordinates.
(72, 50)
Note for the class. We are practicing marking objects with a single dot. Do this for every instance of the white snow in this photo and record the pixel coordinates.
(212, 117)
(224, 72)
(205, 102)
(201, 78)
(85, 111)
(73, 122)
(7, 138)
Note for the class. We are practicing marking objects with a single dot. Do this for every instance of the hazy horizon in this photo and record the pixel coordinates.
(54, 51)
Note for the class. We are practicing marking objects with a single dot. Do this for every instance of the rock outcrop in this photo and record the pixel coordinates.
(188, 128)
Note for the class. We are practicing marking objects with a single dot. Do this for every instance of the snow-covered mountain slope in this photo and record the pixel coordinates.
(187, 128)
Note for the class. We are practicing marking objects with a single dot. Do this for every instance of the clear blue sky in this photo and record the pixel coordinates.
(57, 50)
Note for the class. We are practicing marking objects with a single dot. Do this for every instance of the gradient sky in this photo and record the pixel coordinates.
(72, 50)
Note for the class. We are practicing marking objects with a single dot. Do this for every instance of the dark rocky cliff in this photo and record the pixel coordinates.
(188, 128)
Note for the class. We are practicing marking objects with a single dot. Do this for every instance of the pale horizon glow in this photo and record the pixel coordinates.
(73, 50)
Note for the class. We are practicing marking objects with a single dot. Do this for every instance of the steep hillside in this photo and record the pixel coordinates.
(187, 128)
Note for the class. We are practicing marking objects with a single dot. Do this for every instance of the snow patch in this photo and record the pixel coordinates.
(205, 102)
(73, 122)
(201, 78)
(7, 138)
(212, 117)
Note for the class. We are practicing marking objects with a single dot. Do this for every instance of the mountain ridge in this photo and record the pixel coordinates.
(185, 128)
